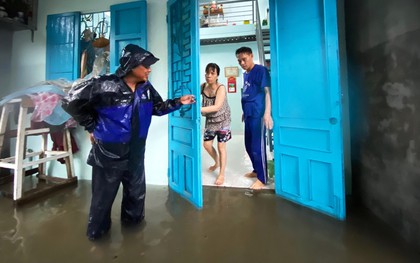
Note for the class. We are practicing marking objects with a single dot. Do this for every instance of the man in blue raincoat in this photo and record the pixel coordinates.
(116, 110)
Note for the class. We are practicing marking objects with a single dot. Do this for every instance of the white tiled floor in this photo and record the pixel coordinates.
(238, 164)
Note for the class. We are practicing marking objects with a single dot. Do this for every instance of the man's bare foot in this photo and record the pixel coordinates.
(213, 167)
(257, 185)
(251, 175)
(220, 180)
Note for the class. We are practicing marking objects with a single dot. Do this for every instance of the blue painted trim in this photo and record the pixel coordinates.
(169, 70)
(334, 81)
(195, 60)
(274, 90)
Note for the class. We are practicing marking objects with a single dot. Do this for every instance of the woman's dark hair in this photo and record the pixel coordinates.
(213, 67)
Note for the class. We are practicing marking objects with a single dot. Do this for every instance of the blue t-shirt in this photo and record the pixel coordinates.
(253, 94)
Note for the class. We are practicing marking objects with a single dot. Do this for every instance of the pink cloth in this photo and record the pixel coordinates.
(44, 105)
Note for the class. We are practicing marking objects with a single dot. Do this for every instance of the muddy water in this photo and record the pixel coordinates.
(235, 225)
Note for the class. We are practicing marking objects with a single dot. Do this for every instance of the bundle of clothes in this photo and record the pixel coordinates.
(47, 112)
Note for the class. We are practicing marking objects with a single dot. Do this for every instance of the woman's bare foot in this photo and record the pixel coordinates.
(257, 185)
(251, 175)
(214, 167)
(220, 180)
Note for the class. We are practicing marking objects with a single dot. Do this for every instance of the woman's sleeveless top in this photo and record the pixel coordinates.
(216, 120)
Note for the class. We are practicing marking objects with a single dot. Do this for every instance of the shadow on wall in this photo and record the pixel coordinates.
(384, 101)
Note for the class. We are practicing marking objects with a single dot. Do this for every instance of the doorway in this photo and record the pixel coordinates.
(222, 32)
(308, 131)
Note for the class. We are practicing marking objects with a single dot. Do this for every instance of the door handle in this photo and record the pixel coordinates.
(333, 121)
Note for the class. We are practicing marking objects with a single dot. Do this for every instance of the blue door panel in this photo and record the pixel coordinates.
(130, 12)
(62, 51)
(308, 133)
(174, 164)
(320, 182)
(290, 184)
(184, 174)
(65, 63)
(128, 26)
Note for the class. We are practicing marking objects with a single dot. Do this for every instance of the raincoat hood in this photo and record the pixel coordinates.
(133, 56)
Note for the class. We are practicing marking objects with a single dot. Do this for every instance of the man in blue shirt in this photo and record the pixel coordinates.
(256, 107)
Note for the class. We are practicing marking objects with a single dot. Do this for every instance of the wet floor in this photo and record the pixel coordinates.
(234, 226)
(238, 164)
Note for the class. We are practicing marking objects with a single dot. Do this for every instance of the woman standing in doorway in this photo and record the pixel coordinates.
(216, 109)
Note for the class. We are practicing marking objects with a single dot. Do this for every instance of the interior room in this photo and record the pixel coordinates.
(374, 52)
(230, 26)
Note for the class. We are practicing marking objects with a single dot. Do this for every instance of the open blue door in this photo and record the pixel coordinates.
(128, 26)
(63, 35)
(184, 173)
(307, 105)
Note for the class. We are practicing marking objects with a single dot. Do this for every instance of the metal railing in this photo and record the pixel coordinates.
(233, 12)
(98, 23)
(227, 13)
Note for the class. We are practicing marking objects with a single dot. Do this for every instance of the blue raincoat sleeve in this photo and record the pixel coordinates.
(79, 103)
(161, 107)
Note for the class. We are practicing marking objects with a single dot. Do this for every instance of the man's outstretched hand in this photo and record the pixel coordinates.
(187, 99)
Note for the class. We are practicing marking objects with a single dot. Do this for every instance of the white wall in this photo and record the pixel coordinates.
(28, 68)
(263, 5)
